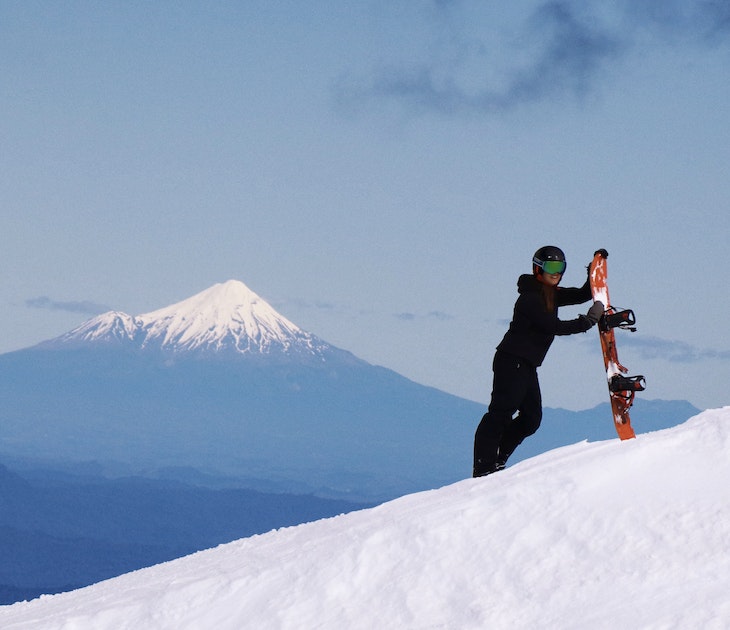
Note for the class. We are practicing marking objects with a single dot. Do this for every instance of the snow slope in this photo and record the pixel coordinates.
(632, 534)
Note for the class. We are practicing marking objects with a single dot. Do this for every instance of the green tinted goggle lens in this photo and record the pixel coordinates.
(553, 266)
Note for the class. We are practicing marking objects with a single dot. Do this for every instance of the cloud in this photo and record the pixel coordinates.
(432, 315)
(570, 51)
(572, 56)
(319, 305)
(717, 18)
(650, 347)
(703, 21)
(567, 49)
(405, 317)
(85, 307)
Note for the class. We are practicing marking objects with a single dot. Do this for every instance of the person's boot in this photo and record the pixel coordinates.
(483, 468)
(502, 459)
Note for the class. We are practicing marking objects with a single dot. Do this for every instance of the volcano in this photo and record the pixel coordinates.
(222, 386)
(227, 318)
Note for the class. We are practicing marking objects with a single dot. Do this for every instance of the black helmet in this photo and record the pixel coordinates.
(553, 256)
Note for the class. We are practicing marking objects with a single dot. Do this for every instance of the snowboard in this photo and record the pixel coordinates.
(621, 389)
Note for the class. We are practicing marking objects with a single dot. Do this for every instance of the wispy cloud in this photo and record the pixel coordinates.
(405, 317)
(319, 305)
(84, 307)
(569, 51)
(568, 46)
(716, 14)
(573, 53)
(433, 315)
(701, 21)
(674, 351)
(344, 310)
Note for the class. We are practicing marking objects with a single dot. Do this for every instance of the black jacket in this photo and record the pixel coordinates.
(533, 328)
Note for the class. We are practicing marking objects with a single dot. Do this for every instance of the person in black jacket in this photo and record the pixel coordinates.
(515, 409)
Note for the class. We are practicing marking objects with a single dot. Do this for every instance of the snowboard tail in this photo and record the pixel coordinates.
(621, 388)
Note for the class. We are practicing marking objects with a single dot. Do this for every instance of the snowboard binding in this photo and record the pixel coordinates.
(618, 318)
(630, 384)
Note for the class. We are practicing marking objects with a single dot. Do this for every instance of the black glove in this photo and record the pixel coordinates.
(594, 312)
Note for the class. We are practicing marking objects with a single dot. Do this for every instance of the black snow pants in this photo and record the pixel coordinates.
(515, 390)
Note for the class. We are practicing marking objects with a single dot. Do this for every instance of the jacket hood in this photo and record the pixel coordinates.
(527, 283)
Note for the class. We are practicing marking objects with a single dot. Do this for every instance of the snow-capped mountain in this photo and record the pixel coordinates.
(227, 317)
(282, 403)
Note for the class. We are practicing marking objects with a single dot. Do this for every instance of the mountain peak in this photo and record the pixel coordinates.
(227, 317)
(111, 328)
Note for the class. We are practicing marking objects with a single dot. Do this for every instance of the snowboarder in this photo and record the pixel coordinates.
(515, 388)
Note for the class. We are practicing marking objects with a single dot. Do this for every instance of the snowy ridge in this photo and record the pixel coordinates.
(605, 535)
(111, 327)
(227, 317)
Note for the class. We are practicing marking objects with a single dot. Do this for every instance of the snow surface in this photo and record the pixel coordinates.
(226, 316)
(632, 534)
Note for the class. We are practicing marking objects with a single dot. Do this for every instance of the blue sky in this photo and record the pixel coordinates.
(381, 172)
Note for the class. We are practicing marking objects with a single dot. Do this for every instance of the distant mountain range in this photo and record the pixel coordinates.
(221, 386)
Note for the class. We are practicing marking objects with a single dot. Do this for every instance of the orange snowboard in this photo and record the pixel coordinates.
(621, 388)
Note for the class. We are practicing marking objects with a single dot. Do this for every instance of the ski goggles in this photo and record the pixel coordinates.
(552, 266)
